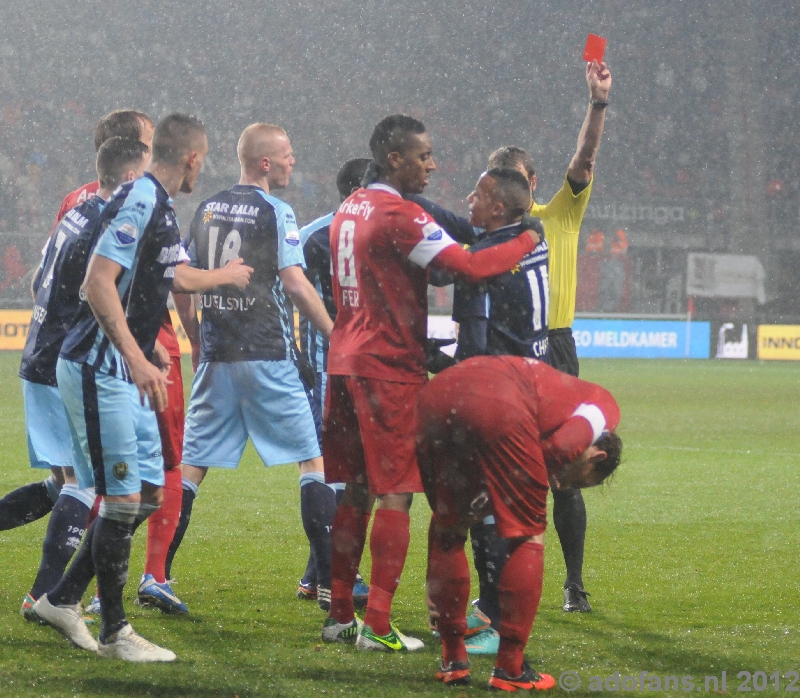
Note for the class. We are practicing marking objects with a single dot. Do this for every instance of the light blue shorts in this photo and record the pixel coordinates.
(264, 400)
(117, 444)
(47, 425)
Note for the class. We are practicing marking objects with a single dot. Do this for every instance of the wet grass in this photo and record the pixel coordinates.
(692, 561)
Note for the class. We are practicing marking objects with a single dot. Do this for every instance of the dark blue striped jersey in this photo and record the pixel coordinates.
(316, 241)
(506, 314)
(57, 289)
(257, 323)
(140, 233)
(457, 227)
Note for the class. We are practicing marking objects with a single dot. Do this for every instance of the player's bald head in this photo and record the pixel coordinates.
(259, 141)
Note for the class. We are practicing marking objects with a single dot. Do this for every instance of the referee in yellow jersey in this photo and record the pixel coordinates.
(561, 218)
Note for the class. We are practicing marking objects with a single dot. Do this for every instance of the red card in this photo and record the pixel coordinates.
(594, 49)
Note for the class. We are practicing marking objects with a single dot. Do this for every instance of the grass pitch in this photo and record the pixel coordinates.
(692, 561)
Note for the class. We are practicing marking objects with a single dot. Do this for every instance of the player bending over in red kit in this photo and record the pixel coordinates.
(493, 432)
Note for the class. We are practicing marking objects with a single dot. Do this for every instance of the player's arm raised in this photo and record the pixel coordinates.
(305, 298)
(100, 290)
(598, 77)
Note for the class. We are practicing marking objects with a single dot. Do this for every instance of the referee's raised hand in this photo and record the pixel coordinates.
(598, 77)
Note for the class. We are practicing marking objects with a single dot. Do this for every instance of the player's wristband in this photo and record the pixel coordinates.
(598, 103)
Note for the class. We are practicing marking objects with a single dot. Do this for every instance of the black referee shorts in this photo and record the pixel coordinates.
(563, 354)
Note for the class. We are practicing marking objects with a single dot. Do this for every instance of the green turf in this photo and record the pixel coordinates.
(691, 561)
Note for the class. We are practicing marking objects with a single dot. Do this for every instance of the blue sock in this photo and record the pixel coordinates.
(63, 537)
(569, 519)
(317, 508)
(25, 505)
(310, 575)
(187, 502)
(490, 554)
(111, 551)
(72, 586)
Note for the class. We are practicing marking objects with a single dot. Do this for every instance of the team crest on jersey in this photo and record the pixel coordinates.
(207, 216)
(120, 470)
(292, 238)
(127, 233)
(432, 231)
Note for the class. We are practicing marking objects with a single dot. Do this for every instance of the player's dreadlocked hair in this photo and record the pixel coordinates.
(612, 445)
(391, 135)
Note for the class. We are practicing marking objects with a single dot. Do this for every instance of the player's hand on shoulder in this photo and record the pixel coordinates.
(534, 227)
(238, 273)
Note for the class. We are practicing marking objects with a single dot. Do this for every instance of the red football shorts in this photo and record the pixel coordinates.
(170, 421)
(479, 454)
(368, 434)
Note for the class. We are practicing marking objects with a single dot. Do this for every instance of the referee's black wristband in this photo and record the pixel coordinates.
(598, 103)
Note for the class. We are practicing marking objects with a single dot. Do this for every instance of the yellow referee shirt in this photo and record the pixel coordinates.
(561, 218)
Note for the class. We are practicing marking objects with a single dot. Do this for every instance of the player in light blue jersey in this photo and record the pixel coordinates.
(105, 373)
(249, 381)
(57, 285)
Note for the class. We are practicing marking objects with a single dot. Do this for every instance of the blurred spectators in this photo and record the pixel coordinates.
(478, 74)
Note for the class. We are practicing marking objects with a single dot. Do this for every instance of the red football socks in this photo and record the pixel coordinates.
(389, 546)
(520, 589)
(348, 537)
(161, 526)
(448, 588)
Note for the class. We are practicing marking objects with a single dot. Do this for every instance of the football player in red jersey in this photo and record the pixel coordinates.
(381, 249)
(493, 432)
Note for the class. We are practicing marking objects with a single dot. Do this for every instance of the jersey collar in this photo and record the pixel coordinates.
(384, 187)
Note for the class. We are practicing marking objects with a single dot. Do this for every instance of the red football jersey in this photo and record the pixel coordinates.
(570, 413)
(381, 246)
(76, 197)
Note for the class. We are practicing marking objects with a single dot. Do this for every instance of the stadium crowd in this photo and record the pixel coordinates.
(667, 111)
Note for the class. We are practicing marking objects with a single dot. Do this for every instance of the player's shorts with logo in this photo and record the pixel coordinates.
(47, 426)
(481, 457)
(117, 444)
(265, 400)
(368, 438)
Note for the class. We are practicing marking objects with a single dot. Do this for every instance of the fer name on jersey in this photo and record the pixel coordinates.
(350, 297)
